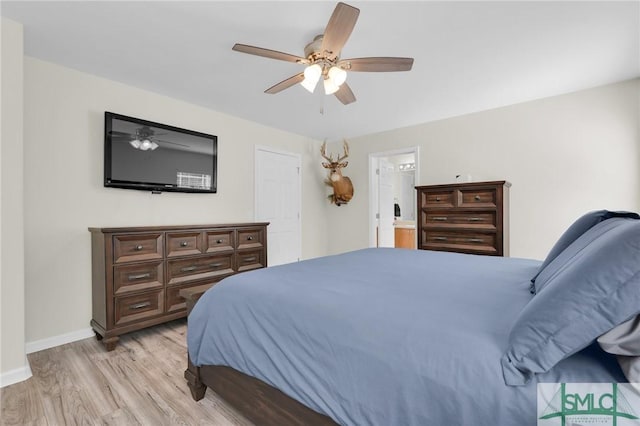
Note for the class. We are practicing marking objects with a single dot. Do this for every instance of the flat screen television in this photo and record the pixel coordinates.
(141, 154)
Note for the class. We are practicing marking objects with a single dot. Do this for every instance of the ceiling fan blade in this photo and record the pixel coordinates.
(376, 64)
(172, 143)
(339, 29)
(285, 84)
(345, 95)
(268, 53)
(118, 133)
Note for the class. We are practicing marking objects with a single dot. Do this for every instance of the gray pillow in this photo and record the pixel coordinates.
(577, 228)
(596, 290)
(567, 256)
(624, 342)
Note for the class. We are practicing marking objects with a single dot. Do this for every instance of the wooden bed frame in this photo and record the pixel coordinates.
(257, 401)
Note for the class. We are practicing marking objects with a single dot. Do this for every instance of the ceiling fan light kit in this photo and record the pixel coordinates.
(323, 58)
(330, 87)
(143, 145)
(337, 75)
(311, 76)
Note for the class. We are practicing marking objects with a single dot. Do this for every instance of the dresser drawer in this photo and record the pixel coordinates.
(481, 220)
(138, 307)
(251, 259)
(197, 268)
(137, 247)
(463, 241)
(437, 199)
(478, 198)
(137, 277)
(184, 243)
(218, 240)
(175, 302)
(250, 238)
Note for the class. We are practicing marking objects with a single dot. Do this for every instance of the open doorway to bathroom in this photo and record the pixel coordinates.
(392, 197)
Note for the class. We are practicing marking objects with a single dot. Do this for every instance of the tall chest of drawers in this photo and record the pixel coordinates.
(137, 273)
(464, 218)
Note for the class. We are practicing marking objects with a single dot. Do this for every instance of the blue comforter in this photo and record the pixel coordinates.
(383, 336)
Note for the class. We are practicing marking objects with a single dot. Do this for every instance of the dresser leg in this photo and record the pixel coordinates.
(98, 336)
(110, 343)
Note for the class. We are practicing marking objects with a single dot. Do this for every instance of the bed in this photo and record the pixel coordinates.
(404, 337)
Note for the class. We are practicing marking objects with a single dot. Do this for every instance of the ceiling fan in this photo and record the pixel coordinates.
(144, 138)
(322, 57)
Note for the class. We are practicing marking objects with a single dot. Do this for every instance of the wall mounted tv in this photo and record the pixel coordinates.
(141, 154)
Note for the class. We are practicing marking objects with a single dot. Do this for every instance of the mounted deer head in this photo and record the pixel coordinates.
(342, 186)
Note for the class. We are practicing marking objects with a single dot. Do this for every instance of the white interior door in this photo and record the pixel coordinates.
(278, 202)
(385, 204)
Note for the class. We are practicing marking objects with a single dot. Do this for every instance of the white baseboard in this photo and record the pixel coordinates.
(23, 373)
(15, 375)
(62, 339)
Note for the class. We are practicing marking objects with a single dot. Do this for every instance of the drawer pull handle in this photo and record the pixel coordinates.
(140, 305)
(250, 238)
(437, 198)
(477, 198)
(189, 269)
(138, 247)
(475, 219)
(440, 218)
(216, 265)
(139, 276)
(440, 238)
(249, 259)
(219, 241)
(183, 243)
(475, 240)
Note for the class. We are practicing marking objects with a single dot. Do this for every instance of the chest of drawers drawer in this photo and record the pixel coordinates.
(138, 306)
(129, 278)
(484, 198)
(184, 243)
(251, 259)
(473, 220)
(137, 247)
(437, 199)
(460, 241)
(176, 303)
(219, 240)
(198, 268)
(251, 238)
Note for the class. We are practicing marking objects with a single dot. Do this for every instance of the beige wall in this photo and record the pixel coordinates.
(564, 155)
(64, 193)
(13, 365)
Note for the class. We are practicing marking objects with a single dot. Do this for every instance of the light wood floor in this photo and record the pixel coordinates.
(140, 382)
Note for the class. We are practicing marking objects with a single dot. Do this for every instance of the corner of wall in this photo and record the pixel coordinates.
(16, 375)
(13, 363)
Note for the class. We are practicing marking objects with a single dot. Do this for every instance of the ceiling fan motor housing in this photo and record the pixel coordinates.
(313, 52)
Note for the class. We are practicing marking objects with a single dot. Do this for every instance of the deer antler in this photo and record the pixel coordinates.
(323, 152)
(346, 151)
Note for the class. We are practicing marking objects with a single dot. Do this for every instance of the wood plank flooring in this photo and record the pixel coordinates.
(139, 383)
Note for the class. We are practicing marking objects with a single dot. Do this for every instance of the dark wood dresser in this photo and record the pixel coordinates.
(468, 217)
(137, 273)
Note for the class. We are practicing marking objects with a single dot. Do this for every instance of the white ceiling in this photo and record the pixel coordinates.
(469, 56)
